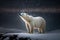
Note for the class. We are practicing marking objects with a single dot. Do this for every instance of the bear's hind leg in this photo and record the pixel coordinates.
(39, 30)
(42, 28)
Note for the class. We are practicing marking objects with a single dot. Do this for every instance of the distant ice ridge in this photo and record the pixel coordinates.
(10, 30)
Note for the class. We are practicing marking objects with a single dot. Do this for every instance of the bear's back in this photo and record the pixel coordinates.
(37, 21)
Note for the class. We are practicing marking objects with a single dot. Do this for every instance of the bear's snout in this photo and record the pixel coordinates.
(21, 14)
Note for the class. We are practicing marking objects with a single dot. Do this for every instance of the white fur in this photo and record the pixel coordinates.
(33, 22)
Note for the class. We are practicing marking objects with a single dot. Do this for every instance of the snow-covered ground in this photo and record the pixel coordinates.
(47, 36)
(52, 35)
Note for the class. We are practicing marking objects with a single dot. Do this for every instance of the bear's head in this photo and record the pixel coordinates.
(25, 16)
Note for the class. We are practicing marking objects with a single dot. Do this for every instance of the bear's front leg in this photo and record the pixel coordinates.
(31, 29)
(27, 27)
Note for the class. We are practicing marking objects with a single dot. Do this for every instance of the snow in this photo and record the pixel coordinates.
(51, 35)
(34, 36)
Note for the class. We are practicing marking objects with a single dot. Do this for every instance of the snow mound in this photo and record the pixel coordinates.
(47, 36)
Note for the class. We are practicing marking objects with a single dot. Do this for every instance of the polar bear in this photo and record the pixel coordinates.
(33, 23)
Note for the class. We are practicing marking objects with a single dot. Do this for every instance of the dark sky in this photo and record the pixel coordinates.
(29, 3)
(12, 20)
